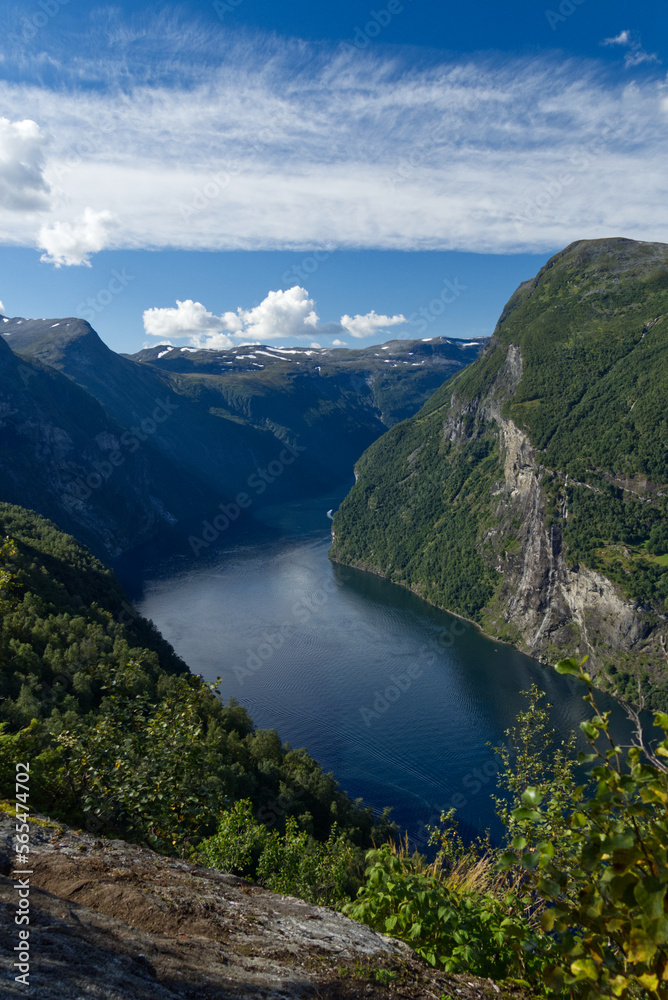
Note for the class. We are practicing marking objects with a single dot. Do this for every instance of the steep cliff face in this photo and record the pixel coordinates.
(545, 605)
(529, 494)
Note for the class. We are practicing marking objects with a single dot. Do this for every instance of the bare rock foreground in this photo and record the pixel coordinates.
(113, 921)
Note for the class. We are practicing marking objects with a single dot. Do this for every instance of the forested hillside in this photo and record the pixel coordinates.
(531, 492)
(121, 736)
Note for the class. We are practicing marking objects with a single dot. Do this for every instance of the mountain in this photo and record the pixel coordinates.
(62, 454)
(116, 448)
(530, 493)
(393, 379)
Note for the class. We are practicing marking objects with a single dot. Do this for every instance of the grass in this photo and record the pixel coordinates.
(459, 869)
(630, 555)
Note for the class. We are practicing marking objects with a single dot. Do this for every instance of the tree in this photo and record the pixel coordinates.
(598, 865)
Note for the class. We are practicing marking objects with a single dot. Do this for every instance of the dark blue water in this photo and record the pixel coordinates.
(402, 702)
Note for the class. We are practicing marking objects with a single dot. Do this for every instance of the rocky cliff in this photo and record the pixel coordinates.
(113, 921)
(529, 494)
(542, 603)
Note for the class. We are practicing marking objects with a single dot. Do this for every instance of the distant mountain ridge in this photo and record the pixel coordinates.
(530, 493)
(394, 388)
(115, 448)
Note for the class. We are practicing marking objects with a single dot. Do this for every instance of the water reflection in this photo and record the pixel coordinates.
(403, 702)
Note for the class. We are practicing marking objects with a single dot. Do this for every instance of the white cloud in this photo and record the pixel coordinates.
(623, 38)
(284, 145)
(22, 154)
(636, 54)
(314, 343)
(213, 341)
(188, 319)
(369, 323)
(280, 315)
(71, 243)
(289, 313)
(2, 309)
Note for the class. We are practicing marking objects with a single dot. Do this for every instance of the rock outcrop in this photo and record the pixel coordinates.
(547, 605)
(113, 921)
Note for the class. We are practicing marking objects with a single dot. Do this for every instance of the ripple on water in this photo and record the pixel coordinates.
(402, 702)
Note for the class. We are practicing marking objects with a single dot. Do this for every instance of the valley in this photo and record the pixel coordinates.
(117, 449)
(515, 491)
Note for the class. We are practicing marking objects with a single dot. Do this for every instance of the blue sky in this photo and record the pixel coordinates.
(239, 171)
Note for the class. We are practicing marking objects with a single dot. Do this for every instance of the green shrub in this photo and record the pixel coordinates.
(458, 930)
(599, 866)
(292, 863)
(237, 844)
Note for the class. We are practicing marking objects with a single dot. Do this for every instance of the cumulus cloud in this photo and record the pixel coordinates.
(281, 314)
(369, 323)
(213, 341)
(71, 243)
(636, 54)
(2, 309)
(288, 313)
(188, 319)
(22, 157)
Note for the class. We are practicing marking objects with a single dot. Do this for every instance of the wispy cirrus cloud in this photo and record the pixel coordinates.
(631, 41)
(290, 145)
(281, 315)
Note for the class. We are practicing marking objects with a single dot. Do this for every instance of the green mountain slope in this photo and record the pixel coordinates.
(531, 492)
(114, 448)
(119, 734)
(62, 454)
